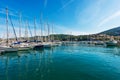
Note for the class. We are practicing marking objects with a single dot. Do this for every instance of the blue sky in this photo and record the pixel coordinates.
(68, 16)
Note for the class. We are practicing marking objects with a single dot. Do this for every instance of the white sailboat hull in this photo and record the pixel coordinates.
(23, 48)
(8, 49)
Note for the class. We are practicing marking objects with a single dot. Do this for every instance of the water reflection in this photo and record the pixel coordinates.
(31, 64)
(73, 61)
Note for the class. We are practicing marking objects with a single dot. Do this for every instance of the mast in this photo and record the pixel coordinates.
(45, 32)
(48, 32)
(41, 28)
(19, 26)
(26, 31)
(48, 38)
(13, 29)
(52, 33)
(7, 26)
(29, 29)
(35, 28)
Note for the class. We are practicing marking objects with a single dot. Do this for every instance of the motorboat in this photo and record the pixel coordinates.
(111, 43)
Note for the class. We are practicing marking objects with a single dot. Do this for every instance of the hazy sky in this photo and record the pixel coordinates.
(68, 16)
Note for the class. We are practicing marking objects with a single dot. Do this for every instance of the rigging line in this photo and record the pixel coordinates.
(29, 29)
(13, 28)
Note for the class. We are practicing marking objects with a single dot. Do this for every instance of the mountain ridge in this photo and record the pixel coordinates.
(112, 32)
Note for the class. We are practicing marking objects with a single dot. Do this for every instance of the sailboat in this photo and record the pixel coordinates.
(36, 44)
(47, 43)
(55, 43)
(21, 46)
(6, 47)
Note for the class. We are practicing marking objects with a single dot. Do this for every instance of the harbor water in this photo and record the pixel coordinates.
(66, 62)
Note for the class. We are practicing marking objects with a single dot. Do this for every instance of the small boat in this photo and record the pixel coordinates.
(36, 45)
(39, 46)
(99, 43)
(53, 44)
(47, 45)
(111, 43)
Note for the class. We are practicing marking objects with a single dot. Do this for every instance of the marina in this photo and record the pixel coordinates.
(73, 62)
(48, 39)
(60, 40)
(17, 44)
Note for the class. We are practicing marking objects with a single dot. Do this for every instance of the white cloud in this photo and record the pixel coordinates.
(58, 29)
(89, 13)
(111, 17)
(66, 4)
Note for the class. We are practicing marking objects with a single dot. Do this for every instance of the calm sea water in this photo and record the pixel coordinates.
(73, 62)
